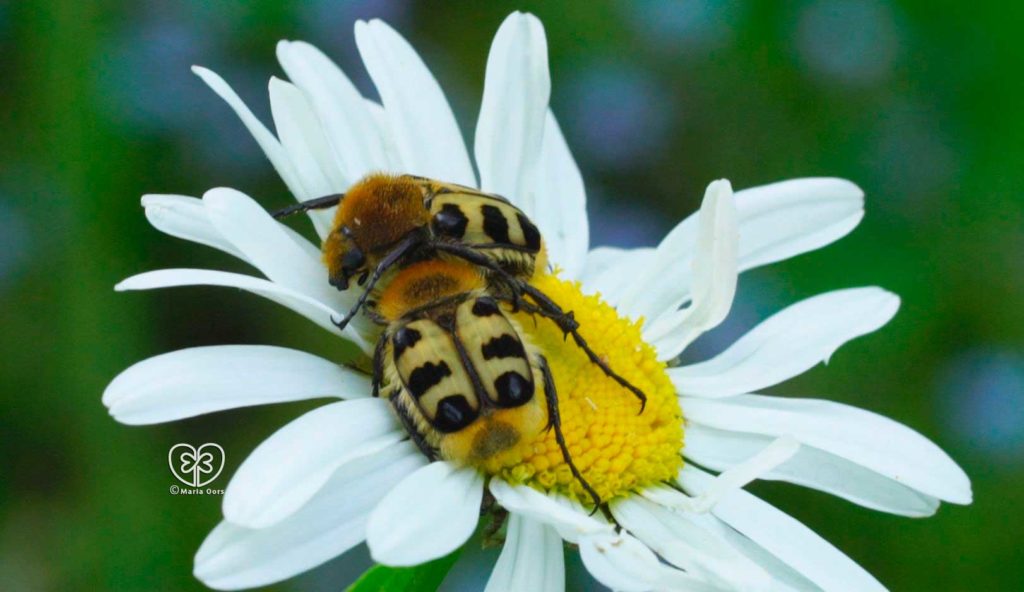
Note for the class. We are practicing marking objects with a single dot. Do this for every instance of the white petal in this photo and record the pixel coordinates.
(684, 543)
(304, 141)
(560, 209)
(662, 282)
(271, 147)
(599, 260)
(623, 563)
(510, 129)
(786, 538)
(314, 310)
(775, 221)
(714, 279)
(604, 275)
(393, 162)
(184, 217)
(569, 518)
(532, 558)
(785, 219)
(763, 460)
(285, 258)
(811, 467)
(789, 343)
(429, 514)
(234, 557)
(873, 441)
(289, 467)
(356, 144)
(201, 380)
(784, 577)
(423, 126)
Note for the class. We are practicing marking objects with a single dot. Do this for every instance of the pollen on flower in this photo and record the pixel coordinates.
(616, 448)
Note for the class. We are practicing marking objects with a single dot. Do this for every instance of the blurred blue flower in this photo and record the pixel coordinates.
(849, 42)
(620, 115)
(143, 76)
(983, 395)
(685, 24)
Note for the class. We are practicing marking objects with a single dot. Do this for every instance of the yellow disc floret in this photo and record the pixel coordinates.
(616, 448)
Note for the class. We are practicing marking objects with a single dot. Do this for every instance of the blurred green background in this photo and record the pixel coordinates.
(918, 102)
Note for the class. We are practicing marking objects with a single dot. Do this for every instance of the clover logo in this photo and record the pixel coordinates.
(196, 466)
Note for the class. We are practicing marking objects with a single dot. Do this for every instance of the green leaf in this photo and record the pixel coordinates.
(425, 577)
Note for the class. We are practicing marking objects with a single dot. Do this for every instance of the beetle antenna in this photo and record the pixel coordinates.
(320, 203)
(406, 245)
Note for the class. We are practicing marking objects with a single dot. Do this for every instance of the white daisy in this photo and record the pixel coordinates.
(346, 472)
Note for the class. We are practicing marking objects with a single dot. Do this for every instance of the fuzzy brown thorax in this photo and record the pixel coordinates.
(374, 215)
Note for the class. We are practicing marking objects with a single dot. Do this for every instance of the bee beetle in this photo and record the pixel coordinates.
(383, 218)
(385, 222)
(457, 370)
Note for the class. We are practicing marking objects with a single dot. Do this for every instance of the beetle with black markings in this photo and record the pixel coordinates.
(387, 222)
(459, 373)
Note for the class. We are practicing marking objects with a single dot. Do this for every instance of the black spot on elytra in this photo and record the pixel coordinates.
(513, 389)
(450, 221)
(530, 233)
(506, 346)
(403, 339)
(495, 224)
(453, 413)
(427, 376)
(485, 307)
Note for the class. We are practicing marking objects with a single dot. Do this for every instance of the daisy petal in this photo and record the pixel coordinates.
(429, 514)
(560, 209)
(785, 578)
(184, 217)
(356, 144)
(786, 538)
(423, 126)
(292, 263)
(867, 439)
(304, 141)
(289, 467)
(785, 219)
(234, 557)
(703, 253)
(202, 380)
(788, 343)
(271, 147)
(601, 259)
(776, 222)
(532, 558)
(393, 162)
(663, 282)
(314, 310)
(623, 563)
(810, 467)
(714, 279)
(282, 256)
(687, 545)
(510, 129)
(570, 519)
(606, 266)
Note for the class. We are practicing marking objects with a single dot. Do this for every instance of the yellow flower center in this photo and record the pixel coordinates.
(615, 447)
